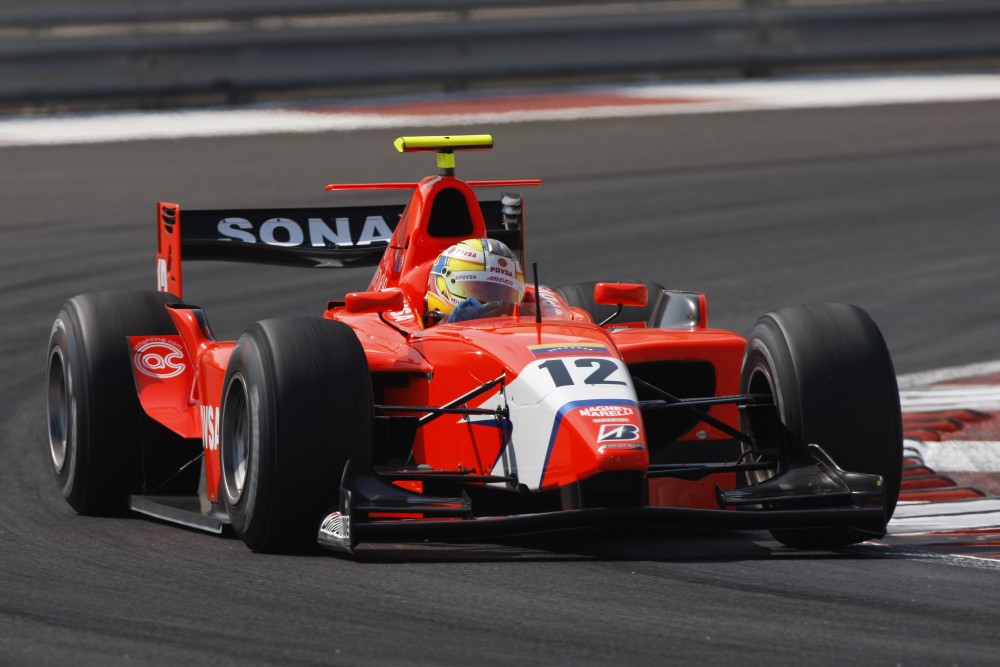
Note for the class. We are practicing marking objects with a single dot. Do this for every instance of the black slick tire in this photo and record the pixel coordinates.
(296, 407)
(97, 428)
(829, 372)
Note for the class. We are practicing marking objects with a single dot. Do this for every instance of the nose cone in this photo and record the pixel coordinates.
(594, 437)
(572, 405)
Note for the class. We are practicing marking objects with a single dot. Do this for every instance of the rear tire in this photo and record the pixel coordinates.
(98, 432)
(829, 372)
(296, 407)
(581, 295)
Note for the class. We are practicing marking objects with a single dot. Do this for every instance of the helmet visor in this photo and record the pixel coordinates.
(486, 287)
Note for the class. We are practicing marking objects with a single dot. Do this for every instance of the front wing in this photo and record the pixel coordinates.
(805, 495)
(333, 536)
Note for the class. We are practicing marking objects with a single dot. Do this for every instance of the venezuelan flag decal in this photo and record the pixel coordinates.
(568, 350)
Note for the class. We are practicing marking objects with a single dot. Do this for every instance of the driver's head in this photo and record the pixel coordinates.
(483, 269)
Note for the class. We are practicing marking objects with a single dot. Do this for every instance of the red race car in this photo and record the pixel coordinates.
(457, 398)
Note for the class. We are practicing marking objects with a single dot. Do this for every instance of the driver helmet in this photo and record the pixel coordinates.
(482, 269)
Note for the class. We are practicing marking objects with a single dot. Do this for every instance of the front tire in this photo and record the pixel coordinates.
(830, 375)
(297, 406)
(97, 428)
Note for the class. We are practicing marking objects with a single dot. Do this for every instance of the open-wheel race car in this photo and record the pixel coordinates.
(385, 418)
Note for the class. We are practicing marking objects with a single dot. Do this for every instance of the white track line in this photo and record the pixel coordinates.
(958, 397)
(922, 379)
(629, 101)
(842, 92)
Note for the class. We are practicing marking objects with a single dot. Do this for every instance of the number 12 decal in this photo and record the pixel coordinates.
(562, 378)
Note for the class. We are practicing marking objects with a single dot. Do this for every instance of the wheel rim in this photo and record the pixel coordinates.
(59, 407)
(236, 435)
(761, 384)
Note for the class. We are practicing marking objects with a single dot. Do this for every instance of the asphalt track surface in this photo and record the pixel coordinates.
(893, 208)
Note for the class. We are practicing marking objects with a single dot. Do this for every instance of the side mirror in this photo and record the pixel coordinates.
(620, 294)
(374, 302)
(679, 310)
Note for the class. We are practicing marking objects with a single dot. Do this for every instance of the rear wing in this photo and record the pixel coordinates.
(342, 236)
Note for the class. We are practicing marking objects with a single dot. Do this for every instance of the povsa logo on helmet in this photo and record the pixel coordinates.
(316, 233)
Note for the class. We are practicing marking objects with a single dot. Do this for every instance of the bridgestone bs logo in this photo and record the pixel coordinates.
(159, 358)
(618, 433)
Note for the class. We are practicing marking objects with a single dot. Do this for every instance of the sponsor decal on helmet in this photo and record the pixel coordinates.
(509, 282)
(464, 253)
(159, 358)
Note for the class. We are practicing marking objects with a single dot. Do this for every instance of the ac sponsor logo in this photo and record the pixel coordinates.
(210, 427)
(614, 433)
(607, 411)
(315, 233)
(159, 358)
